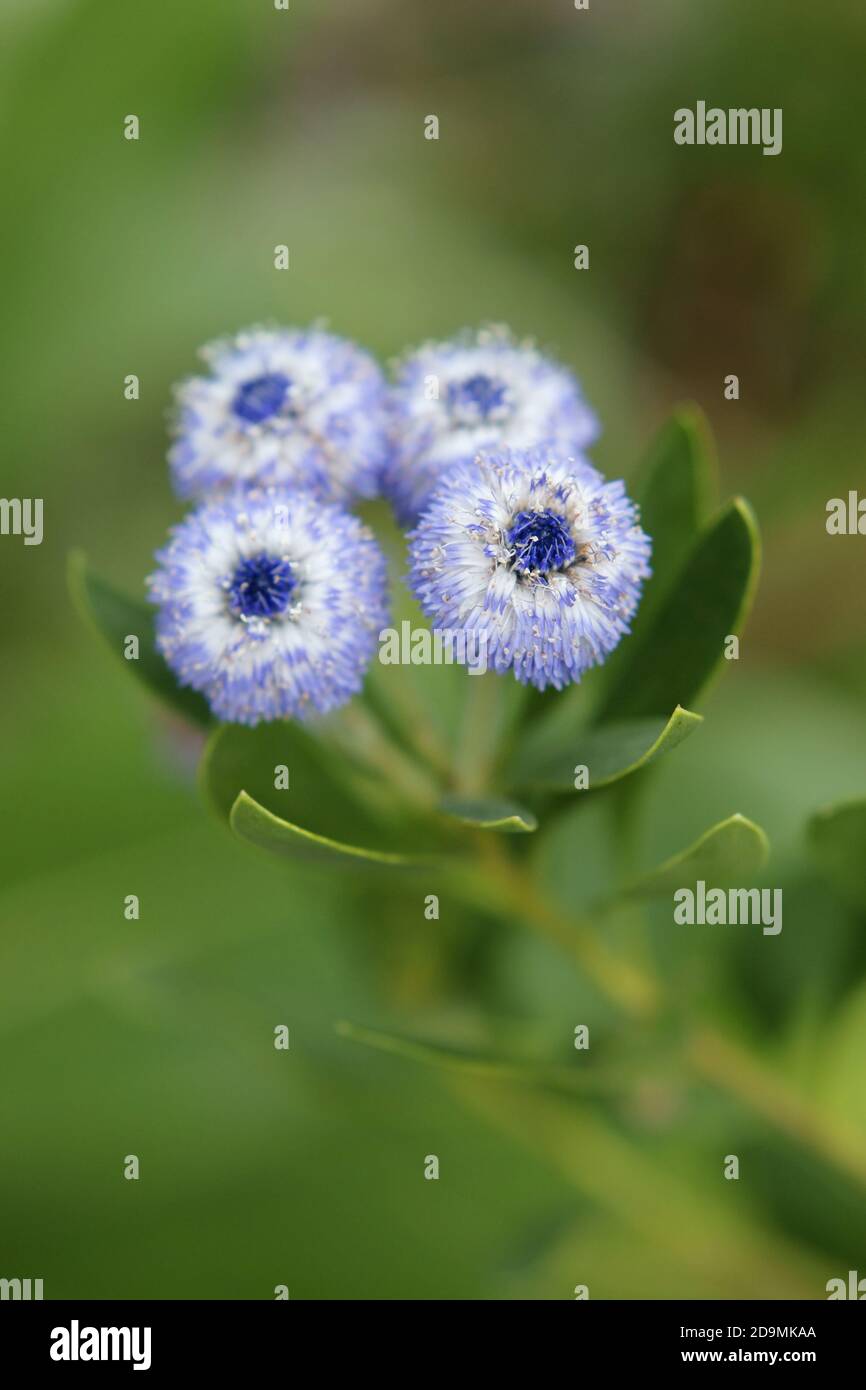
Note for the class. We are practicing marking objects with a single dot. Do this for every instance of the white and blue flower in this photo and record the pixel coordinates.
(537, 556)
(270, 603)
(481, 390)
(296, 406)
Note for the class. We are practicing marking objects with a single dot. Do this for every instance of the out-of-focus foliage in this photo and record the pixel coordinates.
(155, 1037)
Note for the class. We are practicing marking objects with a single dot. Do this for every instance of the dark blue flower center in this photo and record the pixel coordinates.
(541, 541)
(261, 587)
(259, 399)
(477, 397)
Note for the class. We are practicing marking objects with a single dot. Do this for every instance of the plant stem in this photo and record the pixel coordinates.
(727, 1254)
(708, 1054)
(367, 741)
(409, 714)
(731, 1068)
(476, 749)
(509, 890)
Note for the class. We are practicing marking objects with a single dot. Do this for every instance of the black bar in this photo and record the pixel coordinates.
(222, 1337)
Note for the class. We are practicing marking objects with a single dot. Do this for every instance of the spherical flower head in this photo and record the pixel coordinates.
(482, 390)
(282, 406)
(270, 603)
(533, 558)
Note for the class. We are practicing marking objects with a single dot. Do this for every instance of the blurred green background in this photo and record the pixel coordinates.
(261, 127)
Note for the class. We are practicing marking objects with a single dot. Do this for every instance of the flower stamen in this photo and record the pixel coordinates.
(541, 542)
(261, 398)
(478, 399)
(261, 587)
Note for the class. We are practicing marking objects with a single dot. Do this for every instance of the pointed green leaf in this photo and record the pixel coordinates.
(684, 643)
(455, 1057)
(282, 787)
(676, 489)
(258, 826)
(733, 851)
(837, 835)
(238, 758)
(115, 616)
(429, 1053)
(490, 814)
(609, 752)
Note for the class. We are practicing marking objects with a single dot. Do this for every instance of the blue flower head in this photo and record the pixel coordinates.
(296, 406)
(270, 603)
(481, 390)
(534, 555)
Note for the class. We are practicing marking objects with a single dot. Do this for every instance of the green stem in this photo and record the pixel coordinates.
(411, 720)
(729, 1255)
(709, 1056)
(508, 890)
(476, 748)
(363, 738)
(731, 1068)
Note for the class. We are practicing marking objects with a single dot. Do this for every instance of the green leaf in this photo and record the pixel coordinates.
(490, 814)
(115, 616)
(258, 826)
(837, 835)
(455, 1057)
(609, 752)
(676, 489)
(430, 1053)
(327, 809)
(733, 851)
(237, 758)
(684, 643)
